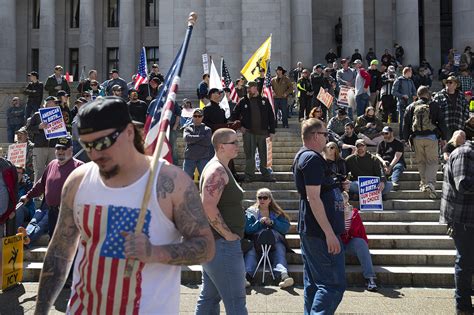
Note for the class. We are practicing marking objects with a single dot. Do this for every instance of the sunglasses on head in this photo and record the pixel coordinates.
(262, 197)
(102, 143)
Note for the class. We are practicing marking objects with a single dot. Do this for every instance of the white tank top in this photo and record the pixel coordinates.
(99, 285)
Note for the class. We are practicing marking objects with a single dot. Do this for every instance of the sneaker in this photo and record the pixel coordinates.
(429, 188)
(395, 186)
(285, 281)
(371, 285)
(422, 187)
(248, 278)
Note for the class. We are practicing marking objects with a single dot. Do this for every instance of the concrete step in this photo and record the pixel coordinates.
(417, 276)
(280, 185)
(293, 194)
(395, 257)
(389, 215)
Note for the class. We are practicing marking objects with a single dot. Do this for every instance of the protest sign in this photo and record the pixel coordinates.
(205, 63)
(325, 97)
(370, 194)
(17, 154)
(12, 260)
(343, 96)
(457, 59)
(53, 117)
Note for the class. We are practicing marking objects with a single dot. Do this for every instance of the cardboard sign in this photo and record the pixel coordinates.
(457, 59)
(269, 152)
(370, 194)
(12, 260)
(343, 96)
(17, 154)
(53, 117)
(205, 63)
(325, 97)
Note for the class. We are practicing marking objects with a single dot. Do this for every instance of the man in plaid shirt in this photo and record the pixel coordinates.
(457, 210)
(465, 79)
(453, 105)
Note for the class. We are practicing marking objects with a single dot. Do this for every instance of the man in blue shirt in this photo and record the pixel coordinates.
(321, 221)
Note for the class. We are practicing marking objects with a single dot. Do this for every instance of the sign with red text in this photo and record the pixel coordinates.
(17, 154)
(53, 118)
(370, 194)
(343, 99)
(325, 97)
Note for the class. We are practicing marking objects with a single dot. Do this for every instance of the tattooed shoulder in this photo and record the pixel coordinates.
(216, 181)
(166, 182)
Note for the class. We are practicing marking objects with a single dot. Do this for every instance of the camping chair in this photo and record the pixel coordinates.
(265, 240)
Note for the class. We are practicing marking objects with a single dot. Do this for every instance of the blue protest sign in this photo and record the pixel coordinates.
(53, 118)
(370, 195)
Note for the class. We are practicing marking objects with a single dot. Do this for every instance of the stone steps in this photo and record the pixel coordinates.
(293, 194)
(288, 185)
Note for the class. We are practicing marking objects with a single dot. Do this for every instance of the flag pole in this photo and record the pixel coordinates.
(159, 146)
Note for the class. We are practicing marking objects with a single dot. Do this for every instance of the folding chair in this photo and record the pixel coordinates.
(266, 240)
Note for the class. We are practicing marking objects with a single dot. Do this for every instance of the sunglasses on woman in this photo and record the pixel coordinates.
(102, 143)
(262, 197)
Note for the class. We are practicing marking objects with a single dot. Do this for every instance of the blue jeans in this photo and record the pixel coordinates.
(277, 258)
(397, 171)
(401, 105)
(362, 100)
(354, 187)
(282, 104)
(463, 266)
(223, 278)
(358, 247)
(190, 165)
(38, 225)
(324, 276)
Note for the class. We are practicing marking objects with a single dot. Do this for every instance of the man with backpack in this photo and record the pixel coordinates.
(423, 126)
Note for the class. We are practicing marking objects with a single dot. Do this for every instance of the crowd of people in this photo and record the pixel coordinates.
(105, 125)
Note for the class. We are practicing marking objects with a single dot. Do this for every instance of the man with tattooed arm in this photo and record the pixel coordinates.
(99, 209)
(224, 276)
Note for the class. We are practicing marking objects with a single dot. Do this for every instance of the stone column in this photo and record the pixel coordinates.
(47, 42)
(353, 27)
(8, 42)
(432, 31)
(407, 30)
(302, 32)
(384, 31)
(463, 24)
(87, 36)
(127, 61)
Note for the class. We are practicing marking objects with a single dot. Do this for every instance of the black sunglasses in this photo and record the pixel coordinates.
(102, 143)
(262, 197)
(197, 116)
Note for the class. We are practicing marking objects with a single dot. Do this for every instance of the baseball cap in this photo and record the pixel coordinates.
(199, 111)
(360, 141)
(319, 66)
(64, 142)
(33, 73)
(61, 93)
(374, 62)
(214, 90)
(114, 71)
(358, 61)
(22, 130)
(251, 83)
(387, 129)
(103, 113)
(50, 98)
(116, 87)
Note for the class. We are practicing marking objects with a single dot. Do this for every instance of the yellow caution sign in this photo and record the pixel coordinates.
(12, 260)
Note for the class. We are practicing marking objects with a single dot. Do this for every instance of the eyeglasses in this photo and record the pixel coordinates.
(449, 82)
(324, 133)
(262, 197)
(102, 143)
(197, 116)
(236, 142)
(94, 84)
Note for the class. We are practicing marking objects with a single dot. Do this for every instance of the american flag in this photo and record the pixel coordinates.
(142, 75)
(157, 123)
(267, 87)
(227, 82)
(101, 287)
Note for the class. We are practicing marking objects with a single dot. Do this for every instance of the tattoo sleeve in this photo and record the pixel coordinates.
(216, 183)
(198, 244)
(59, 256)
(165, 185)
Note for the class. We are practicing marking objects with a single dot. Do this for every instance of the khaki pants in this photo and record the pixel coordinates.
(373, 99)
(426, 154)
(41, 158)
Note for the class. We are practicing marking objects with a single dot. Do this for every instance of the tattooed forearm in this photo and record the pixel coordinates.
(219, 225)
(165, 184)
(216, 183)
(190, 252)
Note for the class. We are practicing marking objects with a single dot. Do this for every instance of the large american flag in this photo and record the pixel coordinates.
(227, 82)
(142, 75)
(163, 104)
(102, 287)
(267, 87)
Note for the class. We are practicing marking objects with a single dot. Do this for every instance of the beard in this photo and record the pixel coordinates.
(110, 173)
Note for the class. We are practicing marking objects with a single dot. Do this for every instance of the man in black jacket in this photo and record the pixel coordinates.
(57, 82)
(34, 91)
(214, 115)
(258, 122)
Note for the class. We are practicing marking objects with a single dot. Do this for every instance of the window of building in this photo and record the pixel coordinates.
(35, 59)
(113, 13)
(151, 12)
(36, 14)
(152, 56)
(112, 59)
(74, 14)
(74, 63)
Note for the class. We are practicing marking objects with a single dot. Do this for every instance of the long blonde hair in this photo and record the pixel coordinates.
(273, 206)
(455, 136)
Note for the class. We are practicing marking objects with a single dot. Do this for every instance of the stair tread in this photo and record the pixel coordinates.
(399, 252)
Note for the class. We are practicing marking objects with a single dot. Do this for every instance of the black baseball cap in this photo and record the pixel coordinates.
(62, 93)
(33, 73)
(64, 142)
(214, 90)
(103, 113)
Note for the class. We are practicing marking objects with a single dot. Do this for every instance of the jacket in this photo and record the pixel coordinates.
(281, 86)
(376, 80)
(39, 139)
(243, 113)
(436, 117)
(403, 86)
(51, 83)
(119, 81)
(34, 91)
(214, 116)
(367, 165)
(362, 82)
(361, 125)
(304, 87)
(16, 116)
(198, 142)
(357, 229)
(454, 116)
(253, 225)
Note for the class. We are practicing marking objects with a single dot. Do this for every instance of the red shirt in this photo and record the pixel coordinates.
(52, 181)
(357, 228)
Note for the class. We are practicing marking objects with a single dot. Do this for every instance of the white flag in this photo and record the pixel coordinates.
(216, 82)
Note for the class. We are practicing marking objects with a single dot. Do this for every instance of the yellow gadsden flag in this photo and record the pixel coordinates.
(258, 61)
